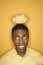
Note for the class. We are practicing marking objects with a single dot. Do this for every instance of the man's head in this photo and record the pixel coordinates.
(20, 35)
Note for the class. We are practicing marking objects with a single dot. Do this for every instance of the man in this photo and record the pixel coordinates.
(21, 54)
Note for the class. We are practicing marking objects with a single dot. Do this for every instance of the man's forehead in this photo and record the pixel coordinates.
(18, 31)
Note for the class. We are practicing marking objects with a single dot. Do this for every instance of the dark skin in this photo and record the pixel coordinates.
(20, 39)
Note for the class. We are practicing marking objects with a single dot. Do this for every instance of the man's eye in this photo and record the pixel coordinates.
(25, 36)
(16, 38)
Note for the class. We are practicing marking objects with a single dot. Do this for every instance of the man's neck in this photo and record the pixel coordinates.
(21, 54)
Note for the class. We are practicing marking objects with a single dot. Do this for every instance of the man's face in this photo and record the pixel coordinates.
(20, 39)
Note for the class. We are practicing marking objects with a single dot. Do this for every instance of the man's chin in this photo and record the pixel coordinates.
(21, 50)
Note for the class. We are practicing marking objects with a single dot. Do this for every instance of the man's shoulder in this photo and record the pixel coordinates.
(9, 54)
(37, 56)
(33, 52)
(7, 57)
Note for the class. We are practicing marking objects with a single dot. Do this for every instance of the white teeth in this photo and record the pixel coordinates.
(21, 47)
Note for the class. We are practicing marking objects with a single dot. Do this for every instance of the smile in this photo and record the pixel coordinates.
(21, 47)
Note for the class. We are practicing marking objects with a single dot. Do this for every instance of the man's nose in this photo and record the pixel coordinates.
(21, 40)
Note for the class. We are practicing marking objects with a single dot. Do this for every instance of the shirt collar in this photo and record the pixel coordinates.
(26, 54)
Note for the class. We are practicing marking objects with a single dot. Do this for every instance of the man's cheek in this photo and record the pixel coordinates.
(25, 41)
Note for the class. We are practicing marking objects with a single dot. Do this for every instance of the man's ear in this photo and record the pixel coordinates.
(28, 37)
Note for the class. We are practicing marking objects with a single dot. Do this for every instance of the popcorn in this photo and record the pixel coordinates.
(19, 19)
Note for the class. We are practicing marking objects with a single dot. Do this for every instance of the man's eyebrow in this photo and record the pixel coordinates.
(15, 35)
(25, 34)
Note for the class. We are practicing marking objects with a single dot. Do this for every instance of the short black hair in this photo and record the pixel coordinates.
(20, 26)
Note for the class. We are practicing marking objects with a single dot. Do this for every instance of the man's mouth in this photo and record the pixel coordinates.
(21, 46)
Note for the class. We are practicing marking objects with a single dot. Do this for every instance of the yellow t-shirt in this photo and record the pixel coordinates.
(32, 57)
